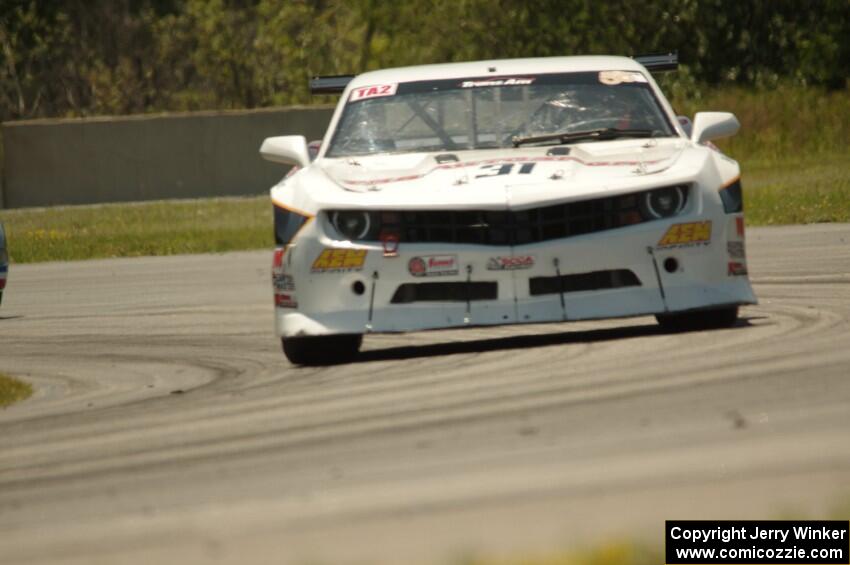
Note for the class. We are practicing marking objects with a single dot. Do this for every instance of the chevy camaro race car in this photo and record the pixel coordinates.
(504, 192)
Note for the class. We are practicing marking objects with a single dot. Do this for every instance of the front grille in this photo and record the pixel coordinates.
(510, 227)
(445, 292)
(596, 280)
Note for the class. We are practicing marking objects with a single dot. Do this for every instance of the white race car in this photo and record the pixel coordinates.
(504, 192)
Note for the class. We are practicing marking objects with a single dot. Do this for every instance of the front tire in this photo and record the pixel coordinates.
(699, 319)
(321, 350)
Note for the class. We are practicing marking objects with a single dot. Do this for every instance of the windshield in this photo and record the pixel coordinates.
(488, 113)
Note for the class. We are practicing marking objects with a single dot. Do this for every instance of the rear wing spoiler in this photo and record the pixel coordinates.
(329, 84)
(659, 63)
(335, 84)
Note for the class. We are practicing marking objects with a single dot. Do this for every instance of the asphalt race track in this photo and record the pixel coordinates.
(168, 427)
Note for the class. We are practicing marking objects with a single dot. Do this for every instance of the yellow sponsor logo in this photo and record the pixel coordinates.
(687, 234)
(340, 260)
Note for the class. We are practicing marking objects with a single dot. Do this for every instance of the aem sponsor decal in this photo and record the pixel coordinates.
(339, 260)
(510, 263)
(736, 269)
(433, 265)
(517, 81)
(687, 235)
(374, 91)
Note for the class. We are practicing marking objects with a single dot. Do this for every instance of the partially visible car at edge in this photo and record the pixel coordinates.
(503, 192)
(4, 261)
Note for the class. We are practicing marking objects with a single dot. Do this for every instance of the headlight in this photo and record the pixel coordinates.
(663, 202)
(351, 224)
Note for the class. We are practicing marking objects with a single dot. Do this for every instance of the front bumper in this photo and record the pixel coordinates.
(355, 294)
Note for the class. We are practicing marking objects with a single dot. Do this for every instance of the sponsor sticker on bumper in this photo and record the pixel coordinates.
(735, 249)
(510, 263)
(737, 269)
(283, 282)
(339, 261)
(689, 234)
(285, 301)
(433, 265)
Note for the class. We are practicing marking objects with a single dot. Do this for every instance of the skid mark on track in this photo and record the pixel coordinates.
(428, 420)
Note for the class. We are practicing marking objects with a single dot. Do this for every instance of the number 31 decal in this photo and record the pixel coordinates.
(503, 169)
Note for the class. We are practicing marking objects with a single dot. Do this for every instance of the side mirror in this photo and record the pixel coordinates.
(714, 125)
(287, 150)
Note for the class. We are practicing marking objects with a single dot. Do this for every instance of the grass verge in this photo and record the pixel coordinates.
(786, 123)
(797, 192)
(68, 233)
(13, 390)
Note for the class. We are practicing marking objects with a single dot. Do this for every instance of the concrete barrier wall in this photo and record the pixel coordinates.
(192, 155)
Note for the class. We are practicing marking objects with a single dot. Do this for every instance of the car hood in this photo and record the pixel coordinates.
(499, 178)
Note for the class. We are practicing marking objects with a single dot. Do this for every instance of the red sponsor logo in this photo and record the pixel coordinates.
(285, 301)
(510, 263)
(737, 269)
(390, 243)
(441, 262)
(277, 261)
(739, 223)
(373, 91)
(417, 267)
(433, 266)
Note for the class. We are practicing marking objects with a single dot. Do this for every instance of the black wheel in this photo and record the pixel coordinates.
(699, 319)
(321, 350)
